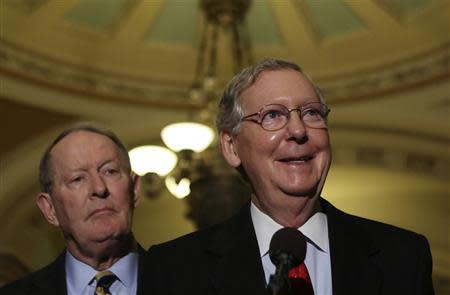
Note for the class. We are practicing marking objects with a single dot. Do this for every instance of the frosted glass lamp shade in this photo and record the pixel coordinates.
(152, 158)
(181, 189)
(187, 136)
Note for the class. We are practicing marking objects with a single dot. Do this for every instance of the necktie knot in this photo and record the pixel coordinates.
(104, 280)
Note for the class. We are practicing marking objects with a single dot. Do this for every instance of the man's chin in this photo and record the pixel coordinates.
(108, 236)
(300, 192)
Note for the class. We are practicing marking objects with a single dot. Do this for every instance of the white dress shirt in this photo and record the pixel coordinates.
(79, 276)
(317, 258)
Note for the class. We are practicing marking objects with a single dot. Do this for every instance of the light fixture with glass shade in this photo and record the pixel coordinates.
(184, 138)
(152, 159)
(181, 189)
(187, 136)
(187, 139)
(224, 20)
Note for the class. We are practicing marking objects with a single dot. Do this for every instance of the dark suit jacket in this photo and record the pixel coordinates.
(51, 280)
(367, 257)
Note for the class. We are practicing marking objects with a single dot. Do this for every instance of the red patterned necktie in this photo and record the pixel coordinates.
(300, 280)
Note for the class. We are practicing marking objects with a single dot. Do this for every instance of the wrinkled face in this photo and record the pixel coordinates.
(93, 195)
(290, 162)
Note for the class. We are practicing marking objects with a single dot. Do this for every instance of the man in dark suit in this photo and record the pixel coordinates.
(272, 122)
(89, 192)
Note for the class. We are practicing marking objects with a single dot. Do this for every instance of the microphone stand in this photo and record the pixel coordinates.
(279, 283)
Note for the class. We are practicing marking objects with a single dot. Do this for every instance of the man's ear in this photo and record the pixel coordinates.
(229, 149)
(45, 204)
(136, 182)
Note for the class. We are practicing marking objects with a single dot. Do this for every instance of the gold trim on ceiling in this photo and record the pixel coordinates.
(36, 68)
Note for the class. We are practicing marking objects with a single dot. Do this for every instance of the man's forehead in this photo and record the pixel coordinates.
(272, 72)
(83, 137)
(83, 142)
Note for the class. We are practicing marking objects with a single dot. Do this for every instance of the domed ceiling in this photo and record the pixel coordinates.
(144, 52)
(383, 66)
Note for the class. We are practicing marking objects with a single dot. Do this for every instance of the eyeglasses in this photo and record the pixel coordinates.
(273, 117)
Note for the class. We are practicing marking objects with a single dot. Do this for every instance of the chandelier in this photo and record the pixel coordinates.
(182, 161)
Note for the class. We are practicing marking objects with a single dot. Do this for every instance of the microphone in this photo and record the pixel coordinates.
(287, 249)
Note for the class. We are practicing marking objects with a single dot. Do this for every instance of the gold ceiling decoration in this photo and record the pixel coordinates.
(226, 20)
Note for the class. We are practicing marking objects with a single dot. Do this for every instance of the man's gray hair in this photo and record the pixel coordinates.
(46, 172)
(230, 106)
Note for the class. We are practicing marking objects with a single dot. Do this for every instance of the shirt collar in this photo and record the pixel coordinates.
(315, 229)
(126, 269)
(80, 274)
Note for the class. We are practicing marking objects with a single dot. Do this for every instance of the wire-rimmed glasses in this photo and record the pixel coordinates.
(273, 117)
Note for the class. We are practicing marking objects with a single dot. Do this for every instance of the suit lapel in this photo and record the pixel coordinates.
(52, 279)
(236, 266)
(353, 255)
(143, 282)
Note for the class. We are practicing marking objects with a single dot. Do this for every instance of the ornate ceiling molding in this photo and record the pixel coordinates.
(32, 67)
(417, 71)
(26, 5)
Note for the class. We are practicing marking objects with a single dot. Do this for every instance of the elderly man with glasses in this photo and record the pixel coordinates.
(273, 127)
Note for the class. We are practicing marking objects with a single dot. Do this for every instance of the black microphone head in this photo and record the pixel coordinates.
(288, 241)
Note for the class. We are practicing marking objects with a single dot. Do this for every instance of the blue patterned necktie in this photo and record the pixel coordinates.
(104, 280)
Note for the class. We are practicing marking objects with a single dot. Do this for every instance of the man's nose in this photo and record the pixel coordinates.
(296, 127)
(99, 188)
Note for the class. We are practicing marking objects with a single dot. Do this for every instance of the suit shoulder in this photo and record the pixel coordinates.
(20, 286)
(241, 221)
(190, 240)
(380, 231)
(392, 249)
(17, 287)
(26, 284)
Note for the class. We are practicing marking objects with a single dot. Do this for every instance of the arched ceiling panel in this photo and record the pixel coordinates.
(99, 14)
(176, 23)
(262, 27)
(331, 17)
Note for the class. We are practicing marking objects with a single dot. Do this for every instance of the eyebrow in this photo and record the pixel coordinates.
(83, 168)
(108, 161)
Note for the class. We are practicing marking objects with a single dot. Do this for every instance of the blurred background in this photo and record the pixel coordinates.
(137, 66)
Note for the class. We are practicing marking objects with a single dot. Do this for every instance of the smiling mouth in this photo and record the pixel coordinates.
(302, 159)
